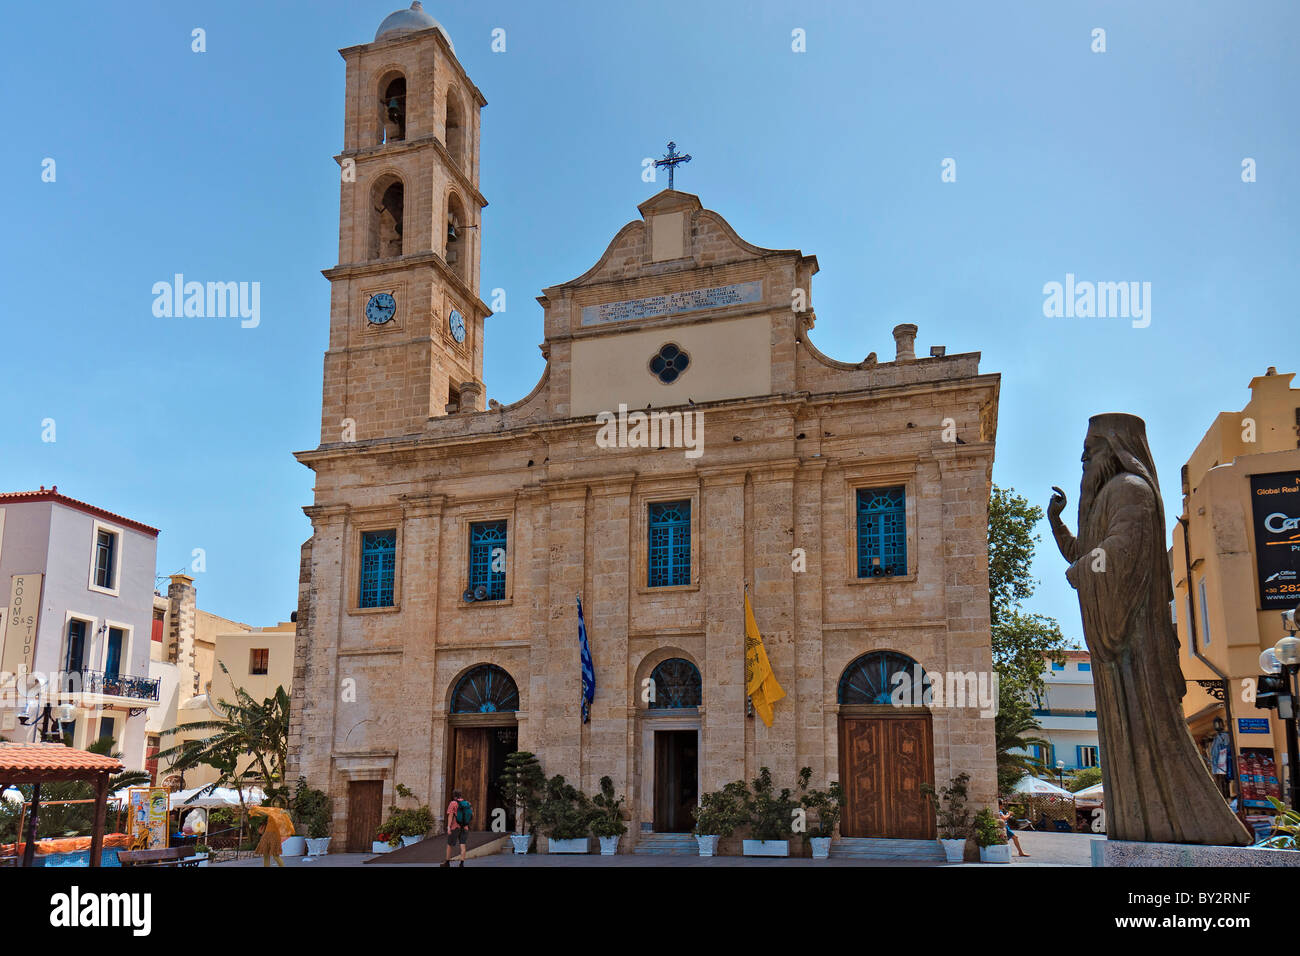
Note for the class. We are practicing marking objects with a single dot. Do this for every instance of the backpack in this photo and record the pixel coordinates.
(464, 812)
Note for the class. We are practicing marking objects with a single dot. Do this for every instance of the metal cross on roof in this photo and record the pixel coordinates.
(671, 159)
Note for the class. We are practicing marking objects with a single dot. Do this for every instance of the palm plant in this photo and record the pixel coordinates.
(1013, 729)
(250, 729)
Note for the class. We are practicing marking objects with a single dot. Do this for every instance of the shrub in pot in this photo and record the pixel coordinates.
(565, 816)
(719, 814)
(406, 826)
(522, 784)
(201, 853)
(952, 815)
(770, 814)
(314, 809)
(991, 835)
(607, 819)
(826, 805)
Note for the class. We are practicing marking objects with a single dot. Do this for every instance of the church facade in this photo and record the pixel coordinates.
(686, 442)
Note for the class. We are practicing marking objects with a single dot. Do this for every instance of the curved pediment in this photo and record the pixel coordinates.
(675, 232)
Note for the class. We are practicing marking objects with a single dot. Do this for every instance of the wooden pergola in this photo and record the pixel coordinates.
(49, 763)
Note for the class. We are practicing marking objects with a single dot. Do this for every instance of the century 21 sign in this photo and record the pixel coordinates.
(1275, 504)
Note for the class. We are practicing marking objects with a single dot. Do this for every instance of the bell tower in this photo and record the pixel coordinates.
(406, 320)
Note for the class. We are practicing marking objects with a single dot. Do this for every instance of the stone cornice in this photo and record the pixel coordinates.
(389, 150)
(356, 270)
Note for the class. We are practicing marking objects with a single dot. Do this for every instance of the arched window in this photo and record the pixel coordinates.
(457, 237)
(388, 203)
(871, 679)
(455, 126)
(486, 689)
(676, 683)
(392, 109)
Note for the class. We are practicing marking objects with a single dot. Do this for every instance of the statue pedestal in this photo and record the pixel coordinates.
(1130, 853)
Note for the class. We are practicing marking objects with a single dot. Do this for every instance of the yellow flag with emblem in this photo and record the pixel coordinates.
(760, 683)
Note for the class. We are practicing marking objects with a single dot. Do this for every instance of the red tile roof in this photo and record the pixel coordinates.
(53, 757)
(52, 494)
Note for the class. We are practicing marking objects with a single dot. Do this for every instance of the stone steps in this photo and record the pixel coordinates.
(667, 844)
(866, 848)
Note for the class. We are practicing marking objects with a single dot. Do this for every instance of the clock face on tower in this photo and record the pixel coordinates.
(457, 325)
(381, 308)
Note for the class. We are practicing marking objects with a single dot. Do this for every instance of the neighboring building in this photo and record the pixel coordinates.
(1241, 500)
(437, 624)
(1067, 715)
(189, 646)
(78, 582)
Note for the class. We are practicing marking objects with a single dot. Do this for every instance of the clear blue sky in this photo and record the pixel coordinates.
(1115, 166)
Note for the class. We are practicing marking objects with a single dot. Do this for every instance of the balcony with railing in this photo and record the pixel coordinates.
(107, 684)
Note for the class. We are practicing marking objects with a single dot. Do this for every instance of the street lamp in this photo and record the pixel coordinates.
(50, 713)
(1060, 774)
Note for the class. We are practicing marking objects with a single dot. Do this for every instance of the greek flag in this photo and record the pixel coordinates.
(588, 670)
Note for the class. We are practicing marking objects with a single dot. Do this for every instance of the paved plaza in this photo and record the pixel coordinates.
(1044, 849)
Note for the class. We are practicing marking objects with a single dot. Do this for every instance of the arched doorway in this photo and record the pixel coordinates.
(886, 748)
(677, 693)
(483, 732)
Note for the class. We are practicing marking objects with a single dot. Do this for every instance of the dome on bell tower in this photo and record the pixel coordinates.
(402, 22)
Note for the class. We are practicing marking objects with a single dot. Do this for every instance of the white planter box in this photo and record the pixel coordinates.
(608, 846)
(379, 846)
(998, 853)
(318, 847)
(954, 850)
(821, 847)
(201, 857)
(766, 847)
(567, 846)
(521, 842)
(708, 844)
(294, 846)
(412, 840)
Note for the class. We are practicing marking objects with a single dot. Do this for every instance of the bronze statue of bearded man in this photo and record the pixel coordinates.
(1157, 789)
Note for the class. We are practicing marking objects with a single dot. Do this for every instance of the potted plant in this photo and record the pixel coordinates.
(769, 816)
(991, 835)
(607, 820)
(316, 810)
(201, 853)
(952, 815)
(718, 815)
(826, 804)
(522, 784)
(565, 817)
(404, 827)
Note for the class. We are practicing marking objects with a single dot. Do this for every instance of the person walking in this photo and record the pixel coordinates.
(459, 814)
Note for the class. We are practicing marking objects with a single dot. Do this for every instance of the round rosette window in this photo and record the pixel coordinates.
(669, 363)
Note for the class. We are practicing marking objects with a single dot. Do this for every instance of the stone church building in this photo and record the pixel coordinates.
(437, 623)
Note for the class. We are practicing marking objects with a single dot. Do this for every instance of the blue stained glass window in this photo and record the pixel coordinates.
(486, 689)
(870, 679)
(670, 544)
(487, 554)
(882, 532)
(378, 565)
(676, 684)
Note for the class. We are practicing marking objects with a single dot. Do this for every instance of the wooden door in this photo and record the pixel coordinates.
(883, 762)
(471, 755)
(365, 813)
(676, 780)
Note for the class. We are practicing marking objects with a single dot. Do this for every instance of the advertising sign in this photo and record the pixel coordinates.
(147, 818)
(1252, 725)
(1258, 778)
(1275, 507)
(20, 623)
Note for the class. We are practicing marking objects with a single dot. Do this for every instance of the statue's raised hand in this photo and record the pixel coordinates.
(1056, 505)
